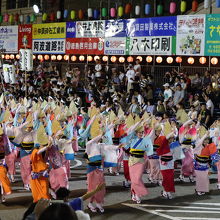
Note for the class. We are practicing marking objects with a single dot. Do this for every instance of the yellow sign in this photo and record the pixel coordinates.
(49, 30)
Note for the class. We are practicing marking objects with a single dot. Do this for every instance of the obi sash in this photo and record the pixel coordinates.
(11, 138)
(154, 156)
(136, 152)
(92, 168)
(200, 166)
(187, 141)
(27, 146)
(155, 147)
(202, 159)
(166, 158)
(35, 175)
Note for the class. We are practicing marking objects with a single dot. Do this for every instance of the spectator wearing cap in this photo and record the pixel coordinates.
(167, 92)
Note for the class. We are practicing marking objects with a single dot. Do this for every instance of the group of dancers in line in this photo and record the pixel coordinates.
(43, 137)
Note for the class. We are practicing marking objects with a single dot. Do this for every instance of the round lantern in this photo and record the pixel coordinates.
(159, 59)
(11, 18)
(73, 15)
(140, 58)
(89, 58)
(149, 59)
(66, 57)
(6, 17)
(89, 12)
(96, 14)
(73, 58)
(52, 16)
(96, 58)
(81, 58)
(105, 58)
(65, 14)
(179, 60)
(190, 60)
(169, 60)
(121, 59)
(21, 18)
(33, 18)
(183, 6)
(206, 4)
(44, 17)
(160, 9)
(59, 57)
(17, 56)
(104, 12)
(28, 19)
(147, 9)
(113, 59)
(172, 7)
(217, 3)
(120, 11)
(40, 57)
(195, 5)
(12, 56)
(58, 15)
(1, 18)
(214, 61)
(80, 14)
(202, 60)
(34, 57)
(137, 10)
(130, 59)
(53, 57)
(7, 57)
(3, 56)
(16, 17)
(46, 57)
(112, 12)
(128, 8)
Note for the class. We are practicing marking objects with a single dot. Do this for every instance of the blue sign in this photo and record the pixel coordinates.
(115, 28)
(70, 29)
(156, 26)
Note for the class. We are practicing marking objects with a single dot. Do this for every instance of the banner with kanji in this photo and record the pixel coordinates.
(212, 36)
(115, 46)
(190, 35)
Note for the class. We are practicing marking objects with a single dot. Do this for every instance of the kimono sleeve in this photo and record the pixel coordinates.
(148, 146)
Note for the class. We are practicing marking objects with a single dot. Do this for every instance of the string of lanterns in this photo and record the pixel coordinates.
(119, 12)
(113, 59)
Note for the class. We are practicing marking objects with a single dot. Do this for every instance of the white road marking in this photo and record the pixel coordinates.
(78, 163)
(151, 211)
(188, 211)
(197, 218)
(201, 203)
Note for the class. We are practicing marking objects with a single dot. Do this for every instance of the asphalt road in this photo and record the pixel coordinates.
(186, 205)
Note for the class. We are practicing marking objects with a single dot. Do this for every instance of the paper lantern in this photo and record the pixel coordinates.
(179, 59)
(80, 14)
(17, 56)
(81, 58)
(202, 60)
(160, 9)
(96, 14)
(214, 61)
(21, 18)
(40, 57)
(65, 13)
(149, 59)
(112, 12)
(34, 57)
(12, 56)
(33, 18)
(104, 12)
(11, 18)
(190, 60)
(130, 59)
(89, 58)
(22, 59)
(46, 57)
(105, 58)
(128, 8)
(66, 57)
(16, 17)
(159, 59)
(169, 60)
(120, 11)
(29, 59)
(53, 57)
(73, 58)
(58, 15)
(3, 56)
(147, 9)
(121, 59)
(28, 19)
(113, 59)
(52, 16)
(73, 14)
(172, 7)
(183, 6)
(217, 3)
(137, 10)
(140, 58)
(206, 4)
(44, 17)
(96, 58)
(89, 11)
(195, 5)
(7, 57)
(1, 18)
(6, 17)
(59, 57)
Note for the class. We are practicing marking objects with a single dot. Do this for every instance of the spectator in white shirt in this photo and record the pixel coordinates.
(167, 92)
(137, 68)
(209, 104)
(130, 75)
(192, 113)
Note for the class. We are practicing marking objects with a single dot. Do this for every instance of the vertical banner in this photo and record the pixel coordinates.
(70, 29)
(21, 60)
(212, 36)
(9, 38)
(9, 73)
(25, 36)
(190, 35)
(28, 59)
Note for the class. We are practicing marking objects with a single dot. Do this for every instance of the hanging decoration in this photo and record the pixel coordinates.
(147, 9)
(80, 14)
(89, 58)
(81, 58)
(160, 9)
(159, 59)
(120, 11)
(73, 15)
(96, 14)
(191, 60)
(33, 18)
(105, 58)
(89, 12)
(169, 60)
(206, 4)
(44, 18)
(183, 6)
(112, 12)
(28, 19)
(172, 7)
(137, 10)
(179, 60)
(149, 59)
(195, 5)
(202, 60)
(1, 18)
(104, 12)
(65, 14)
(128, 8)
(130, 59)
(6, 17)
(52, 16)
(58, 15)
(11, 18)
(21, 18)
(121, 59)
(113, 59)
(214, 61)
(16, 17)
(73, 58)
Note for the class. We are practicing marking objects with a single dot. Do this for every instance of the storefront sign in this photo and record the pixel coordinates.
(115, 46)
(25, 36)
(115, 28)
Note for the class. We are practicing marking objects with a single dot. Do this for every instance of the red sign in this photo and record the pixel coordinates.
(85, 46)
(25, 36)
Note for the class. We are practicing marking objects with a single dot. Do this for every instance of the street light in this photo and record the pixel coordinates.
(36, 9)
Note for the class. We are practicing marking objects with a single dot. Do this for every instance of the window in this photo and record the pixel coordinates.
(10, 4)
(22, 3)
